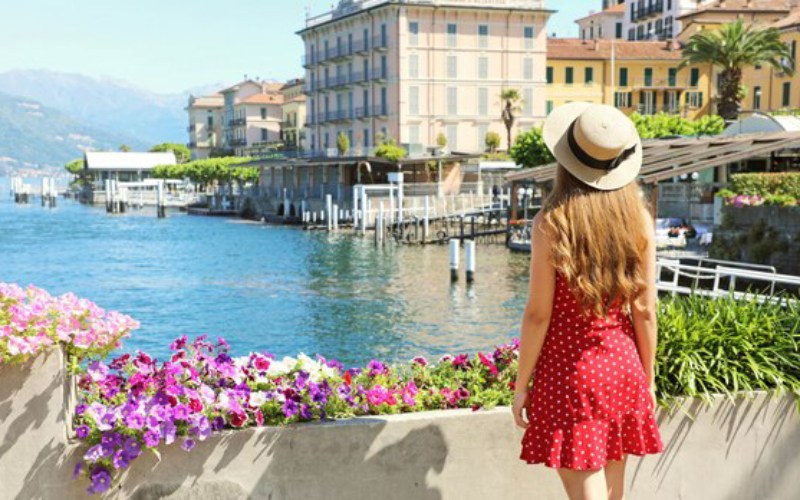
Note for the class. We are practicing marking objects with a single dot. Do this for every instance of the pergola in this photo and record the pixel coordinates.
(668, 158)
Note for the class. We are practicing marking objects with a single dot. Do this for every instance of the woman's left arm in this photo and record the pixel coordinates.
(536, 318)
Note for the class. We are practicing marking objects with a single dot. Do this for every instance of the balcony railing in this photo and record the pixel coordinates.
(644, 11)
(357, 113)
(380, 43)
(236, 122)
(380, 73)
(662, 83)
(239, 142)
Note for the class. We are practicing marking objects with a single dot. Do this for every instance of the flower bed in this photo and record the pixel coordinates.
(756, 189)
(134, 403)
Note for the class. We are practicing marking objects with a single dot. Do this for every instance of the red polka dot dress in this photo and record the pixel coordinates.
(590, 401)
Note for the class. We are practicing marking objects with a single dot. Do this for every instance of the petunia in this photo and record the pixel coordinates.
(152, 438)
(82, 431)
(188, 444)
(101, 480)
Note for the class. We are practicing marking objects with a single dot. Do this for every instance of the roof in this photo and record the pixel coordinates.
(615, 10)
(263, 99)
(206, 101)
(265, 86)
(665, 159)
(96, 160)
(790, 21)
(575, 48)
(740, 6)
(762, 122)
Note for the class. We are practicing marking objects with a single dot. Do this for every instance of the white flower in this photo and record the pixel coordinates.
(257, 398)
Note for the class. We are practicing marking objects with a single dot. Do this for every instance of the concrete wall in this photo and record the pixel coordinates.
(745, 450)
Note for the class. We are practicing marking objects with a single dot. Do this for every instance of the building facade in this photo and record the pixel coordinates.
(716, 14)
(293, 133)
(414, 70)
(205, 124)
(643, 77)
(604, 25)
(252, 114)
(657, 19)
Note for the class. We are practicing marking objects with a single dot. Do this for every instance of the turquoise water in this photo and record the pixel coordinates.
(266, 288)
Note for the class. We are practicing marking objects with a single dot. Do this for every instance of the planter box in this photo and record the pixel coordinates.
(743, 450)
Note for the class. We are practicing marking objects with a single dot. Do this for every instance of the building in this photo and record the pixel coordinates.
(122, 166)
(643, 76)
(657, 19)
(252, 115)
(205, 124)
(715, 14)
(293, 133)
(605, 25)
(414, 70)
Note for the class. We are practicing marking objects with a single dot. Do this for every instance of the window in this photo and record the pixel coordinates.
(483, 67)
(452, 137)
(623, 99)
(483, 101)
(787, 94)
(756, 97)
(452, 101)
(413, 134)
(413, 66)
(591, 32)
(618, 31)
(669, 4)
(668, 27)
(452, 67)
(793, 51)
(264, 134)
(413, 33)
(366, 69)
(482, 131)
(632, 34)
(583, 33)
(527, 65)
(694, 99)
(549, 74)
(349, 43)
(384, 36)
(633, 12)
(640, 32)
(210, 122)
(528, 35)
(326, 141)
(366, 137)
(672, 77)
(384, 67)
(568, 75)
(548, 106)
(350, 105)
(588, 75)
(694, 77)
(365, 101)
(413, 100)
(452, 30)
(483, 36)
(648, 77)
(384, 100)
(527, 102)
(366, 39)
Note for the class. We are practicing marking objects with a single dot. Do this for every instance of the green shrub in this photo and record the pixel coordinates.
(666, 125)
(725, 193)
(764, 184)
(725, 346)
(390, 151)
(529, 149)
(783, 200)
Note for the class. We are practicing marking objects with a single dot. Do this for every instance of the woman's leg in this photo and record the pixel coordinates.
(615, 478)
(584, 484)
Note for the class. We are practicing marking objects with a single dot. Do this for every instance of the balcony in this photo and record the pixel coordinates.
(380, 73)
(646, 11)
(237, 122)
(362, 112)
(339, 81)
(661, 84)
(380, 43)
(238, 142)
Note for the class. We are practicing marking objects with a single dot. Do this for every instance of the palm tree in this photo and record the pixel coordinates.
(511, 100)
(731, 49)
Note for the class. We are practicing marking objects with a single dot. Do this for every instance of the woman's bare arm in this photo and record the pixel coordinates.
(536, 318)
(643, 308)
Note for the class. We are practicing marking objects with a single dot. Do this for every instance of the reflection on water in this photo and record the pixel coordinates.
(277, 289)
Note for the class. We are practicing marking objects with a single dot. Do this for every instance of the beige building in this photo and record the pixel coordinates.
(205, 124)
(660, 19)
(414, 69)
(604, 25)
(252, 114)
(293, 133)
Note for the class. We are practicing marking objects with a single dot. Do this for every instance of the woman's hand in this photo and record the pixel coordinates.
(520, 404)
(653, 395)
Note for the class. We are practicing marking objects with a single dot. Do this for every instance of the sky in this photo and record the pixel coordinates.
(168, 46)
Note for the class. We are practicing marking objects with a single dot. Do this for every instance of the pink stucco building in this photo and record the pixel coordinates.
(413, 70)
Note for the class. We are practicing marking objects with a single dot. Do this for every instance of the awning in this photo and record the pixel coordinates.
(668, 158)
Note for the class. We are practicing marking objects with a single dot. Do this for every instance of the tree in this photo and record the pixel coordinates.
(181, 152)
(731, 49)
(389, 150)
(441, 140)
(668, 125)
(124, 148)
(492, 141)
(342, 143)
(511, 100)
(529, 150)
(75, 167)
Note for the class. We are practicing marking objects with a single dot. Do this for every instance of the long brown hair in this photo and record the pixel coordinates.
(599, 241)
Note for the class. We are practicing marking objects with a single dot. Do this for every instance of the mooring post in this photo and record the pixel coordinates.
(53, 192)
(328, 210)
(335, 221)
(454, 259)
(470, 260)
(426, 225)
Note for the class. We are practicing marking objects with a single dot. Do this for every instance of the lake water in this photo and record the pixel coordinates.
(265, 288)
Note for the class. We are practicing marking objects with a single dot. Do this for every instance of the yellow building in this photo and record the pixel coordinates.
(633, 76)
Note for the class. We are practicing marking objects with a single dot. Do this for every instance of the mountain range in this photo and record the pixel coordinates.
(48, 118)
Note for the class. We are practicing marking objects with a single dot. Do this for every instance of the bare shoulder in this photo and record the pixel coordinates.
(539, 227)
(647, 220)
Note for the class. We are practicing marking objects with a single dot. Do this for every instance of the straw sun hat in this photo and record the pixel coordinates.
(596, 143)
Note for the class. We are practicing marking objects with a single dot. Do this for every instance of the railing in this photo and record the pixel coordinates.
(380, 73)
(239, 142)
(660, 83)
(645, 11)
(380, 42)
(237, 122)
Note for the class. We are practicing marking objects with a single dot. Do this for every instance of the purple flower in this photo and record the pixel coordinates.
(82, 431)
(168, 431)
(80, 409)
(289, 407)
(101, 480)
(376, 368)
(135, 421)
(218, 424)
(77, 470)
(302, 379)
(377, 395)
(180, 412)
(152, 438)
(112, 439)
(188, 444)
(420, 361)
(94, 453)
(132, 448)
(97, 371)
(305, 412)
(120, 460)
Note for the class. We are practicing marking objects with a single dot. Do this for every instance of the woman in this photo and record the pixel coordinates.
(589, 329)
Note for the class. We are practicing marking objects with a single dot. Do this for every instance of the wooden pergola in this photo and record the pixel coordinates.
(668, 158)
